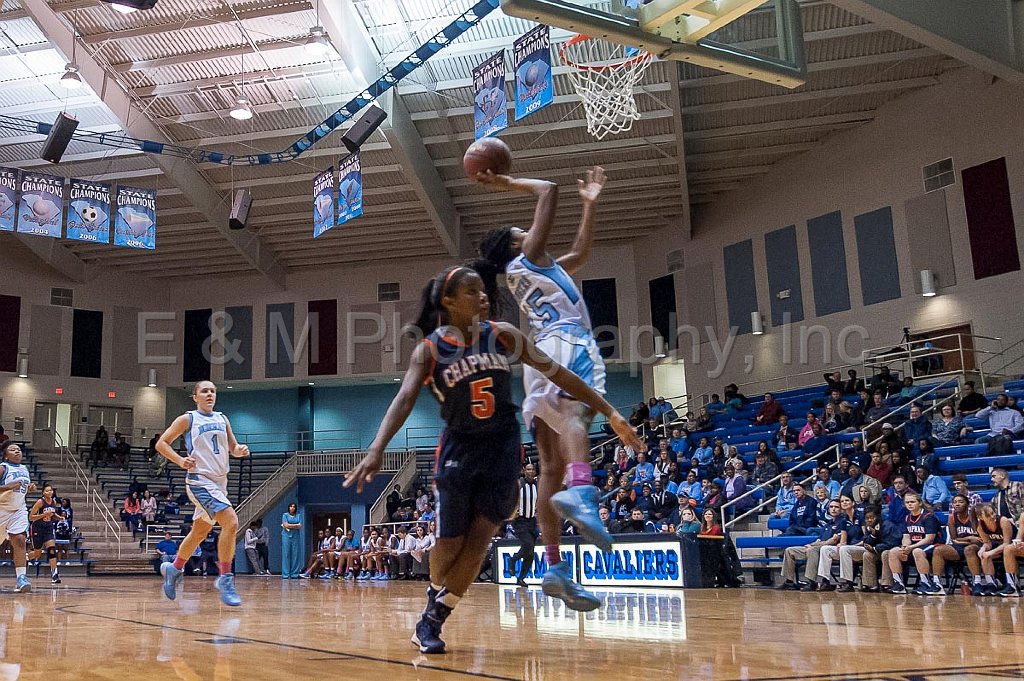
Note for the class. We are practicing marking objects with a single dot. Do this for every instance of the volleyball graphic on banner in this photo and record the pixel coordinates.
(8, 199)
(534, 87)
(42, 205)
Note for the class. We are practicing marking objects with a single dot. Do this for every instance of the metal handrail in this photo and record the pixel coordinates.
(327, 462)
(402, 478)
(280, 478)
(867, 427)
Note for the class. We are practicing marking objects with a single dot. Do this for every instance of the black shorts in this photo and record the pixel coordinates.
(476, 476)
(41, 535)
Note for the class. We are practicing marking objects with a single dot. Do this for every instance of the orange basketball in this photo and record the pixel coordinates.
(489, 153)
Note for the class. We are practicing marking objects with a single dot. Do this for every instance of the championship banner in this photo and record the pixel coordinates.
(489, 113)
(135, 222)
(8, 199)
(89, 216)
(41, 208)
(323, 202)
(350, 189)
(531, 55)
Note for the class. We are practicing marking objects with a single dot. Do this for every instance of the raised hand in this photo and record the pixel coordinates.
(364, 471)
(498, 183)
(590, 188)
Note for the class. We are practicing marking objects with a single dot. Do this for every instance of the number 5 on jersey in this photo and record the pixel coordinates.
(482, 405)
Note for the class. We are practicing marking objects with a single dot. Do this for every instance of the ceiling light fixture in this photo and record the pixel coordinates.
(129, 6)
(317, 43)
(71, 80)
(242, 110)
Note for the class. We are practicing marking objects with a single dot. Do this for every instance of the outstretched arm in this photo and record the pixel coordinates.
(532, 356)
(590, 191)
(398, 412)
(536, 244)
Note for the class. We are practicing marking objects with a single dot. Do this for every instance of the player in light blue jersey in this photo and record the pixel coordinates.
(209, 442)
(544, 290)
(14, 485)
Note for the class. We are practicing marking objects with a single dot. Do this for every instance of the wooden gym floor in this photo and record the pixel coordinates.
(119, 628)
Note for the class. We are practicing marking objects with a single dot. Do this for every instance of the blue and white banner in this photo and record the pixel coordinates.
(531, 55)
(135, 223)
(8, 199)
(89, 215)
(508, 568)
(350, 189)
(41, 208)
(490, 112)
(632, 564)
(323, 202)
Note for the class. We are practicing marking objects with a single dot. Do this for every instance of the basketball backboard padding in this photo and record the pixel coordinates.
(788, 70)
(690, 20)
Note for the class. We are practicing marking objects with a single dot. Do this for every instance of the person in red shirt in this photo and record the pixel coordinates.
(769, 412)
(881, 466)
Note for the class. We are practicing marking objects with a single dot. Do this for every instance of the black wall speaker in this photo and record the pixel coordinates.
(240, 209)
(363, 128)
(59, 138)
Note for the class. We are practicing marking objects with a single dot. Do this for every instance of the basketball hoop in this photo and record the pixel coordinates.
(604, 74)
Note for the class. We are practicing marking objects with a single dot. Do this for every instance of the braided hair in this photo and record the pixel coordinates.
(495, 254)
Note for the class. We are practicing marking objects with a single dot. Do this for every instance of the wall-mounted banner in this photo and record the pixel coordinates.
(135, 223)
(350, 189)
(42, 204)
(89, 216)
(8, 199)
(490, 114)
(531, 55)
(323, 202)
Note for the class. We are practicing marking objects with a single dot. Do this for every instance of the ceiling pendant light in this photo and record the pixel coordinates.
(317, 44)
(242, 110)
(71, 80)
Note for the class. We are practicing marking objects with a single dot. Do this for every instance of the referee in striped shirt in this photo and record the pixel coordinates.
(525, 523)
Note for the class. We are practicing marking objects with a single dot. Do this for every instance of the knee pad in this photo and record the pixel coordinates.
(51, 553)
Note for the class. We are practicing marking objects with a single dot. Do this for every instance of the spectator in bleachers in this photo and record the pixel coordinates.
(716, 405)
(691, 487)
(643, 472)
(421, 554)
(844, 418)
(881, 465)
(850, 529)
(919, 532)
(403, 554)
(664, 411)
(916, 428)
(1009, 499)
(769, 412)
(131, 512)
(643, 501)
(821, 506)
(764, 471)
(119, 451)
(895, 509)
(877, 410)
(818, 442)
(662, 458)
(733, 402)
(166, 550)
(997, 533)
(803, 517)
(763, 447)
(902, 466)
(716, 468)
(639, 415)
(147, 507)
(715, 498)
(857, 480)
(709, 526)
(653, 432)
(853, 384)
(835, 398)
(785, 437)
(842, 473)
(736, 461)
(702, 455)
(854, 450)
(830, 535)
(98, 448)
(893, 438)
(960, 487)
(422, 500)
(734, 488)
(880, 537)
(833, 381)
(824, 479)
(663, 502)
(948, 429)
(807, 432)
(634, 525)
(394, 501)
(829, 420)
(679, 444)
(885, 382)
(860, 412)
(926, 455)
(785, 498)
(853, 550)
(1011, 402)
(1004, 424)
(688, 523)
(971, 402)
(908, 391)
(621, 505)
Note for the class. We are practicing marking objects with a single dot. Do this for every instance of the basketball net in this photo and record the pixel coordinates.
(604, 74)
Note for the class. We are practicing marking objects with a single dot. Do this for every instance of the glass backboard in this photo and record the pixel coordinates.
(752, 38)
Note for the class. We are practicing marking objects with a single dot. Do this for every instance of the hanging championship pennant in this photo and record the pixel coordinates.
(323, 202)
(42, 204)
(89, 215)
(135, 222)
(489, 113)
(8, 199)
(350, 189)
(531, 55)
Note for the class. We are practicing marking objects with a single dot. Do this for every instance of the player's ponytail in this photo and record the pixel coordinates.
(489, 272)
(496, 247)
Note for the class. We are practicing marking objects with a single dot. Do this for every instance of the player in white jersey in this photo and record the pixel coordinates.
(15, 483)
(209, 442)
(544, 290)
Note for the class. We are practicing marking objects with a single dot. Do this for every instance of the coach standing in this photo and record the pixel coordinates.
(525, 523)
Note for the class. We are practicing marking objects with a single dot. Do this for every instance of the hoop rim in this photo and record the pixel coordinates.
(642, 55)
